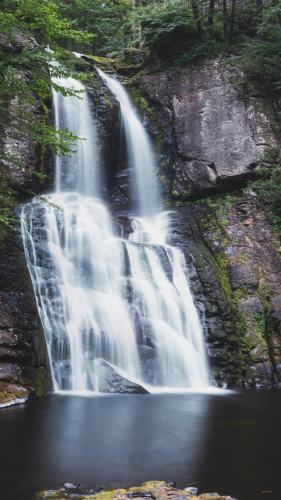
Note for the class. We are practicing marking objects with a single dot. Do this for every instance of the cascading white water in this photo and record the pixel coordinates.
(107, 300)
(79, 172)
(158, 270)
(144, 184)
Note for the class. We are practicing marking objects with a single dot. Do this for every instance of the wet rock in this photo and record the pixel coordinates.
(154, 490)
(9, 338)
(113, 382)
(124, 225)
(191, 490)
(10, 372)
(23, 353)
(11, 394)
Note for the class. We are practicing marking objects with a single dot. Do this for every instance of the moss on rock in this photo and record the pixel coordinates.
(154, 490)
(11, 394)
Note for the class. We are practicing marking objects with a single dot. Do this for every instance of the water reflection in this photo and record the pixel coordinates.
(226, 443)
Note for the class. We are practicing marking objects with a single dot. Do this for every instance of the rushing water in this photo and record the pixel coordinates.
(141, 158)
(108, 302)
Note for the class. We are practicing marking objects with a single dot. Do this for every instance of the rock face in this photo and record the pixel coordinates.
(218, 139)
(24, 369)
(236, 281)
(154, 490)
(23, 356)
(211, 141)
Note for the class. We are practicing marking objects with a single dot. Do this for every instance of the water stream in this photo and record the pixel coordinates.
(111, 306)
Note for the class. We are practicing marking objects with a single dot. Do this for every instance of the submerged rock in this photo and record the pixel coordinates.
(112, 382)
(155, 490)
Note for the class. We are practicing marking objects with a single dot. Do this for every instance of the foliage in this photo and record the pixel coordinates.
(268, 187)
(7, 196)
(177, 30)
(167, 28)
(27, 27)
(26, 68)
(261, 55)
(106, 20)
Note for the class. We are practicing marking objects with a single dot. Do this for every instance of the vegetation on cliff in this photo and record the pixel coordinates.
(173, 31)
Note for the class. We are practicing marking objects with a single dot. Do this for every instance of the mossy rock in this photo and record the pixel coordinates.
(154, 490)
(11, 394)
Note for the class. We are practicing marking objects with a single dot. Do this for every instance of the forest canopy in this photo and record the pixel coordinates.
(173, 32)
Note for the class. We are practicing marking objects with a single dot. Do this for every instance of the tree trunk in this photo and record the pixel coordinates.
(232, 19)
(211, 12)
(225, 25)
(259, 6)
(196, 14)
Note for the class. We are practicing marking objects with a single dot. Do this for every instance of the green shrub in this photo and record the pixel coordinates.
(268, 187)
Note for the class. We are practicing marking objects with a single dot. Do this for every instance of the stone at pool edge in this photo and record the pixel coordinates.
(12, 394)
(156, 490)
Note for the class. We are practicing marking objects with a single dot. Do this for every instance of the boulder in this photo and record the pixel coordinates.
(110, 381)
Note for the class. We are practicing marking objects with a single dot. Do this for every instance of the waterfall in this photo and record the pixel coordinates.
(111, 306)
(141, 158)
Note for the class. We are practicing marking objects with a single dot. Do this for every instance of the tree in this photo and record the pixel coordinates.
(259, 6)
(225, 25)
(228, 22)
(211, 12)
(195, 9)
(232, 19)
(27, 27)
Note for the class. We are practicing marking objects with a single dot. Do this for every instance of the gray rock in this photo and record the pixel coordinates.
(252, 306)
(243, 276)
(192, 490)
(10, 372)
(113, 382)
(218, 138)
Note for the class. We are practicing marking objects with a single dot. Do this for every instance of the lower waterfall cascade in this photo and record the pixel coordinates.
(111, 304)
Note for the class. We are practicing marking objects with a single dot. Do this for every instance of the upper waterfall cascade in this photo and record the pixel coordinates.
(140, 153)
(110, 303)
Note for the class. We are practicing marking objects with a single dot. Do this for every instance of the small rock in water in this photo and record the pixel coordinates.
(70, 486)
(192, 490)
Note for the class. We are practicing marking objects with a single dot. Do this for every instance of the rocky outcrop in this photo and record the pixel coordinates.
(106, 112)
(211, 141)
(216, 139)
(235, 275)
(154, 490)
(23, 356)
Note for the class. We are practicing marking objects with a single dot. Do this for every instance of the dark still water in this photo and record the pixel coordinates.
(230, 443)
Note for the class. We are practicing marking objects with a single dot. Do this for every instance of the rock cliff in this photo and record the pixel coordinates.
(24, 366)
(210, 142)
